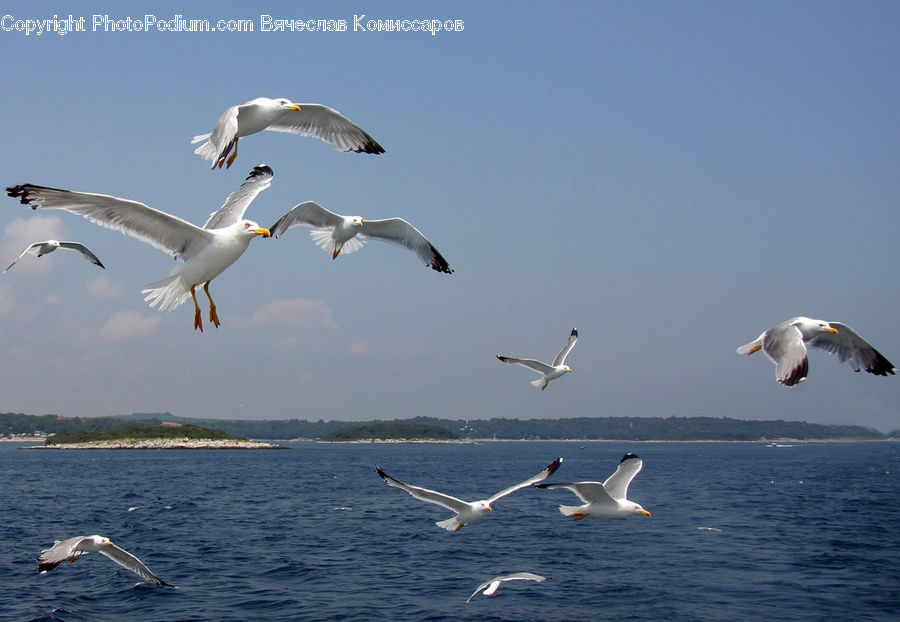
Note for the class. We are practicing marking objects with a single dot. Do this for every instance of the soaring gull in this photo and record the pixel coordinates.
(606, 500)
(281, 115)
(39, 249)
(493, 584)
(547, 372)
(206, 251)
(785, 344)
(466, 512)
(73, 548)
(333, 232)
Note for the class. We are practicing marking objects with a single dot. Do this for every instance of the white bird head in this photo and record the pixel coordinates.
(810, 327)
(483, 506)
(356, 221)
(250, 228)
(566, 369)
(635, 508)
(287, 104)
(94, 543)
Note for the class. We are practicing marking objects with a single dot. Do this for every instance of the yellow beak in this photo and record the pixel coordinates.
(831, 330)
(262, 231)
(645, 512)
(295, 108)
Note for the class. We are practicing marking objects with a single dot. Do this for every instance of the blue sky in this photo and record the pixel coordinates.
(670, 178)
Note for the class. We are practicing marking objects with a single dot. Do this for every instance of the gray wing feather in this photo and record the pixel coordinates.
(561, 357)
(132, 563)
(588, 492)
(238, 201)
(398, 231)
(84, 250)
(547, 472)
(541, 368)
(617, 483)
(424, 494)
(58, 553)
(326, 124)
(306, 214)
(852, 348)
(783, 344)
(163, 231)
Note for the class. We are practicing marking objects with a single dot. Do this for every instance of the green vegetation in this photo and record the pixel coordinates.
(398, 430)
(140, 433)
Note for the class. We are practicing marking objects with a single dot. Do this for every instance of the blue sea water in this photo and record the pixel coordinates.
(739, 532)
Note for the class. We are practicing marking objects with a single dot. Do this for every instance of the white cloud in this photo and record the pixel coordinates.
(124, 325)
(103, 288)
(360, 348)
(22, 233)
(300, 312)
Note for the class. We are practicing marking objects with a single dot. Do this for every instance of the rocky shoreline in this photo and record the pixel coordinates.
(164, 443)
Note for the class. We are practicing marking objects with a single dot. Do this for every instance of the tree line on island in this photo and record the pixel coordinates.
(576, 428)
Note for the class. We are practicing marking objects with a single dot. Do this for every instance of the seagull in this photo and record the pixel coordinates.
(785, 344)
(205, 251)
(281, 115)
(38, 249)
(73, 548)
(466, 512)
(606, 500)
(333, 232)
(493, 584)
(547, 372)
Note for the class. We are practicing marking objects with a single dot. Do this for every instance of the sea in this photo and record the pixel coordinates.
(739, 531)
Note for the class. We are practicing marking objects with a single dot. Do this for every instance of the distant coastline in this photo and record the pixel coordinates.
(163, 443)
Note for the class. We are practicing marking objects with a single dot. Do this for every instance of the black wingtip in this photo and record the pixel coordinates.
(259, 170)
(541, 485)
(629, 456)
(370, 146)
(21, 192)
(574, 332)
(551, 468)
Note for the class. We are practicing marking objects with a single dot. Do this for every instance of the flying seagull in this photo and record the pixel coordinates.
(281, 115)
(606, 500)
(73, 548)
(785, 344)
(333, 232)
(547, 372)
(466, 512)
(206, 251)
(493, 584)
(39, 249)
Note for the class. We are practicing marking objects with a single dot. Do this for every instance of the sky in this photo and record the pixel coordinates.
(670, 178)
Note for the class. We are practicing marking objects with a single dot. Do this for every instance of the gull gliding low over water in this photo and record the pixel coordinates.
(206, 251)
(493, 584)
(39, 249)
(606, 500)
(785, 344)
(333, 232)
(281, 115)
(73, 548)
(466, 512)
(547, 372)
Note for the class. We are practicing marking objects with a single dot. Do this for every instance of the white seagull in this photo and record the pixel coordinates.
(206, 251)
(39, 249)
(333, 232)
(466, 512)
(493, 584)
(73, 548)
(281, 115)
(785, 344)
(606, 500)
(547, 372)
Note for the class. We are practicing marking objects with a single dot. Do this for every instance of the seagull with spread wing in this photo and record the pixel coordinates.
(206, 251)
(73, 548)
(493, 585)
(281, 115)
(606, 500)
(548, 372)
(39, 249)
(335, 233)
(785, 345)
(466, 512)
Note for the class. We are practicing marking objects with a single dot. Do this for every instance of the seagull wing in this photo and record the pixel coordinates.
(617, 483)
(423, 494)
(493, 583)
(238, 201)
(58, 553)
(398, 231)
(547, 472)
(326, 124)
(223, 132)
(784, 345)
(132, 563)
(84, 250)
(306, 214)
(561, 357)
(36, 249)
(541, 368)
(588, 492)
(850, 347)
(163, 231)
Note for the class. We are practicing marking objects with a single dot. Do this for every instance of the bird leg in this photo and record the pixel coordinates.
(458, 527)
(337, 249)
(224, 154)
(578, 516)
(197, 322)
(233, 155)
(213, 316)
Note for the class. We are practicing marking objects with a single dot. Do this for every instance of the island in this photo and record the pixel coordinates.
(393, 432)
(153, 437)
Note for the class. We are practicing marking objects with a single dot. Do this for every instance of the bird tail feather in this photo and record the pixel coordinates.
(540, 383)
(206, 150)
(747, 347)
(569, 510)
(168, 293)
(451, 524)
